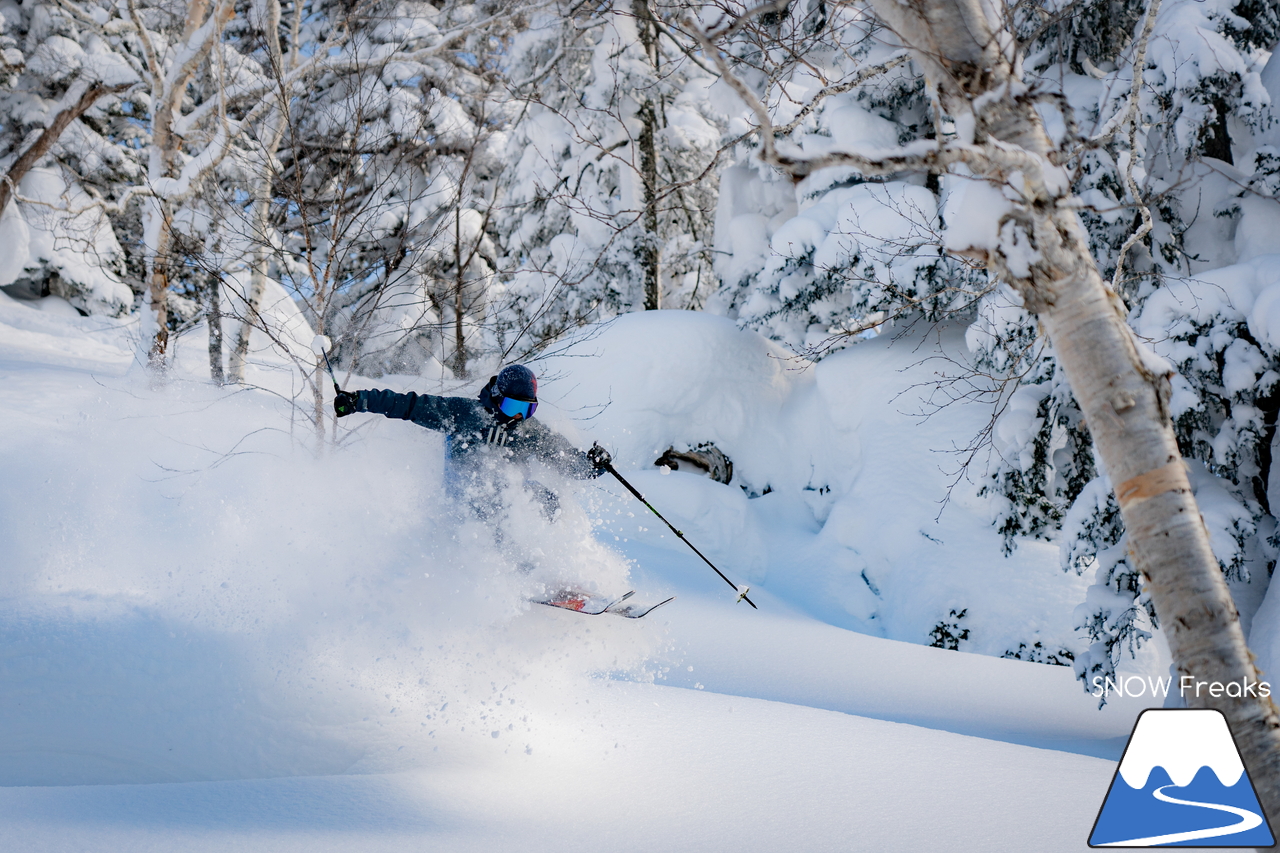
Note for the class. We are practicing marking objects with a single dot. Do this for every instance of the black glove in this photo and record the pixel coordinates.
(345, 403)
(599, 457)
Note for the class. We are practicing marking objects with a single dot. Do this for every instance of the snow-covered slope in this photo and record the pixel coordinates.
(307, 650)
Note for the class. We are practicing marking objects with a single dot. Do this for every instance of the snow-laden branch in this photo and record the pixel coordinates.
(90, 95)
(864, 74)
(296, 79)
(197, 45)
(154, 68)
(1130, 116)
(922, 156)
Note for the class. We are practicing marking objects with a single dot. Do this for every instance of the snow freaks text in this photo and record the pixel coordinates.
(1188, 687)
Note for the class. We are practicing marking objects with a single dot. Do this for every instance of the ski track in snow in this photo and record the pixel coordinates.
(290, 674)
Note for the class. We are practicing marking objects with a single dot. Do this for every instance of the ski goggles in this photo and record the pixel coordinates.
(511, 407)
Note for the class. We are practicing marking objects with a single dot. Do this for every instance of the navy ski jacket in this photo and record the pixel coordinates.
(472, 430)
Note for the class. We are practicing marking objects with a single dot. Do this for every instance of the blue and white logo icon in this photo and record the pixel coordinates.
(1181, 783)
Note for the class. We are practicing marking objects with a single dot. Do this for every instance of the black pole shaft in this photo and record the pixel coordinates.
(630, 488)
(330, 368)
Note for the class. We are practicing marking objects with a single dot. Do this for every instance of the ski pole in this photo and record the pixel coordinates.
(741, 590)
(320, 346)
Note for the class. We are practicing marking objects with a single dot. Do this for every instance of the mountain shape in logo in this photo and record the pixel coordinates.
(1181, 783)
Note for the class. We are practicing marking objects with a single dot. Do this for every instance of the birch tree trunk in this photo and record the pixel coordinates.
(257, 275)
(648, 145)
(167, 89)
(966, 58)
(213, 318)
(169, 81)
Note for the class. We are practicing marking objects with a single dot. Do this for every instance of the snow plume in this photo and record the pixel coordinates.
(189, 595)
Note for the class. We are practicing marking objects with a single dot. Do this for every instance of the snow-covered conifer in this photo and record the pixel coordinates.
(813, 263)
(61, 109)
(610, 198)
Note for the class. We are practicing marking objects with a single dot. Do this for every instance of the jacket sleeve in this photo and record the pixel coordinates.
(554, 449)
(423, 409)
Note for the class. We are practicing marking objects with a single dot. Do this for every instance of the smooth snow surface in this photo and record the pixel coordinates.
(215, 638)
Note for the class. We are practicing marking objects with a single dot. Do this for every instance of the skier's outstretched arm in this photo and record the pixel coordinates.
(423, 409)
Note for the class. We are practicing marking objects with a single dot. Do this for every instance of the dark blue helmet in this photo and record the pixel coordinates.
(513, 392)
(518, 382)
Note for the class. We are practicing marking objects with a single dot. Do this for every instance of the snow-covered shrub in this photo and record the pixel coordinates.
(56, 241)
(815, 264)
(948, 634)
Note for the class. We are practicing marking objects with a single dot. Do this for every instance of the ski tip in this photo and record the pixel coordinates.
(631, 611)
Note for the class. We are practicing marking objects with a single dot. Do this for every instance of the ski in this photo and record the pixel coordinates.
(636, 611)
(582, 602)
(589, 604)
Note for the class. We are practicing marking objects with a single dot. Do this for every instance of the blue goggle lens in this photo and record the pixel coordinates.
(512, 407)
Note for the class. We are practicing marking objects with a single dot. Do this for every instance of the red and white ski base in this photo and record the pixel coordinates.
(589, 604)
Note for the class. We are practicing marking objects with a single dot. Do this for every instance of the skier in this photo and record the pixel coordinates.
(497, 425)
